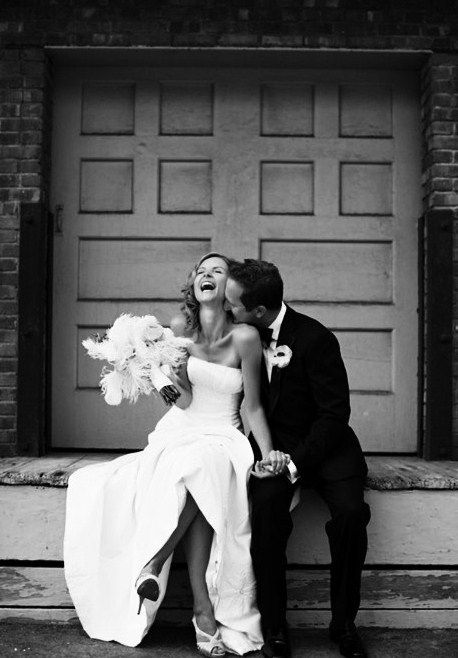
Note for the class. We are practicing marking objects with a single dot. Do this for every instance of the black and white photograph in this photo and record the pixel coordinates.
(228, 328)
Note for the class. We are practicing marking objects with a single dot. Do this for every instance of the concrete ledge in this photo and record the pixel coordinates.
(385, 473)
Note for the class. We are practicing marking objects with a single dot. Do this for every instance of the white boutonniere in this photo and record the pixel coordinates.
(282, 356)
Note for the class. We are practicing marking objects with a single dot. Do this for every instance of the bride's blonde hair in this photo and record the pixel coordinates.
(190, 306)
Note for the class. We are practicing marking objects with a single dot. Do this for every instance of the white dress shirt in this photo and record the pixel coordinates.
(269, 355)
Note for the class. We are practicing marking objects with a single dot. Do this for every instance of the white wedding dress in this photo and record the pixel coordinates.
(120, 513)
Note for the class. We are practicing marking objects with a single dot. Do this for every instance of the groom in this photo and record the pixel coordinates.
(305, 395)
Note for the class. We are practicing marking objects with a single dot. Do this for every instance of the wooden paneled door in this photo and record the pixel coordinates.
(316, 170)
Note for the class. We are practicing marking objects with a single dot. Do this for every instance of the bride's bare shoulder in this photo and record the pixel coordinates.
(245, 335)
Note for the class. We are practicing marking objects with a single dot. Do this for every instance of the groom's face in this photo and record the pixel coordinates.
(234, 304)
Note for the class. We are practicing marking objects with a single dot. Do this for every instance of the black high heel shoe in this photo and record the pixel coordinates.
(148, 587)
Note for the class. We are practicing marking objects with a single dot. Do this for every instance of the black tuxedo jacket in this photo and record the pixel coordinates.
(307, 403)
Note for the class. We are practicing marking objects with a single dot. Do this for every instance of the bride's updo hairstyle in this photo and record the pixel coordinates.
(190, 306)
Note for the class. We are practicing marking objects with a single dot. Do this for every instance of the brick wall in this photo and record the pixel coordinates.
(24, 174)
(391, 24)
(439, 105)
(25, 93)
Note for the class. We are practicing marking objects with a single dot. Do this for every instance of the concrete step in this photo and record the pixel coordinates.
(395, 598)
(410, 581)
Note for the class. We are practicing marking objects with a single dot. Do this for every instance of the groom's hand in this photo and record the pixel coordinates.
(275, 463)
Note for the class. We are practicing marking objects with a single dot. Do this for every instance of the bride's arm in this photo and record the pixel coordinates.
(180, 379)
(250, 350)
(180, 376)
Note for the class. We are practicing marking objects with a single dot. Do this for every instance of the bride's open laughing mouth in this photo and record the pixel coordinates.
(207, 285)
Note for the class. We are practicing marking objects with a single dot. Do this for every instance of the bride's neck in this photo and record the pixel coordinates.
(213, 322)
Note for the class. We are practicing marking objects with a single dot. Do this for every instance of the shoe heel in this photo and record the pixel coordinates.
(148, 589)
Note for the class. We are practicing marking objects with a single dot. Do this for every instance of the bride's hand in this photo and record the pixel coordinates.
(169, 394)
(276, 461)
(179, 377)
(260, 472)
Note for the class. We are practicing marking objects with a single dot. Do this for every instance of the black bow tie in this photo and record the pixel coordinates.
(266, 335)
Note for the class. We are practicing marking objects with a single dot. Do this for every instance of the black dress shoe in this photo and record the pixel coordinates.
(276, 645)
(350, 644)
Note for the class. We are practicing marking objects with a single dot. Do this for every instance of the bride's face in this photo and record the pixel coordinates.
(210, 281)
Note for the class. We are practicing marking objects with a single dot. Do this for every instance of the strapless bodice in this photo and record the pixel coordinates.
(216, 392)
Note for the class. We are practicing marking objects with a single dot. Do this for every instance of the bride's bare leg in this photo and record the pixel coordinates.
(158, 560)
(197, 545)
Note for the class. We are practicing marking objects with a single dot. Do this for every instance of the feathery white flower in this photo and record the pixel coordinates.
(136, 347)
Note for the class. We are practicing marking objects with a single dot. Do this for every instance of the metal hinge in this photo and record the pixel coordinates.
(58, 219)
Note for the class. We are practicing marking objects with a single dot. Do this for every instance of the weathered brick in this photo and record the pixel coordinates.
(7, 422)
(29, 166)
(7, 394)
(8, 307)
(9, 68)
(8, 278)
(8, 264)
(9, 180)
(10, 138)
(9, 208)
(33, 54)
(8, 166)
(10, 125)
(7, 409)
(31, 124)
(442, 184)
(9, 221)
(31, 137)
(31, 180)
(12, 152)
(32, 110)
(443, 142)
(8, 365)
(32, 152)
(11, 82)
(31, 83)
(444, 199)
(7, 440)
(441, 128)
(8, 336)
(28, 194)
(32, 69)
(193, 40)
(282, 40)
(238, 39)
(441, 100)
(444, 170)
(8, 236)
(8, 378)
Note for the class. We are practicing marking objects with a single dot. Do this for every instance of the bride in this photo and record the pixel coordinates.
(125, 517)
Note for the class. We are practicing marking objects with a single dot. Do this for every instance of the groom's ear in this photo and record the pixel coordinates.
(260, 311)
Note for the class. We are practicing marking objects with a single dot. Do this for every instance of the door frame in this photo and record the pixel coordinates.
(37, 229)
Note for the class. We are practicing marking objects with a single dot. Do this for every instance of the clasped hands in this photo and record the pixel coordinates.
(274, 464)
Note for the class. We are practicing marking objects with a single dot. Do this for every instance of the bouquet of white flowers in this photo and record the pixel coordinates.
(141, 352)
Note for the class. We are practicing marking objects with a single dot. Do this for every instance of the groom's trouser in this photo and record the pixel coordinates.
(271, 528)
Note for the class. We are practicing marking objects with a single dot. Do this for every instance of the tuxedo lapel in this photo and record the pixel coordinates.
(265, 384)
(287, 337)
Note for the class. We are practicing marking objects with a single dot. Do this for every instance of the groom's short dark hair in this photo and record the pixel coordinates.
(261, 282)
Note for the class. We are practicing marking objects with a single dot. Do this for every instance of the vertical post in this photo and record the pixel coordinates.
(32, 329)
(439, 334)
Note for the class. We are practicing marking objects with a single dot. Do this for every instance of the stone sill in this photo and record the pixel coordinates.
(385, 473)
